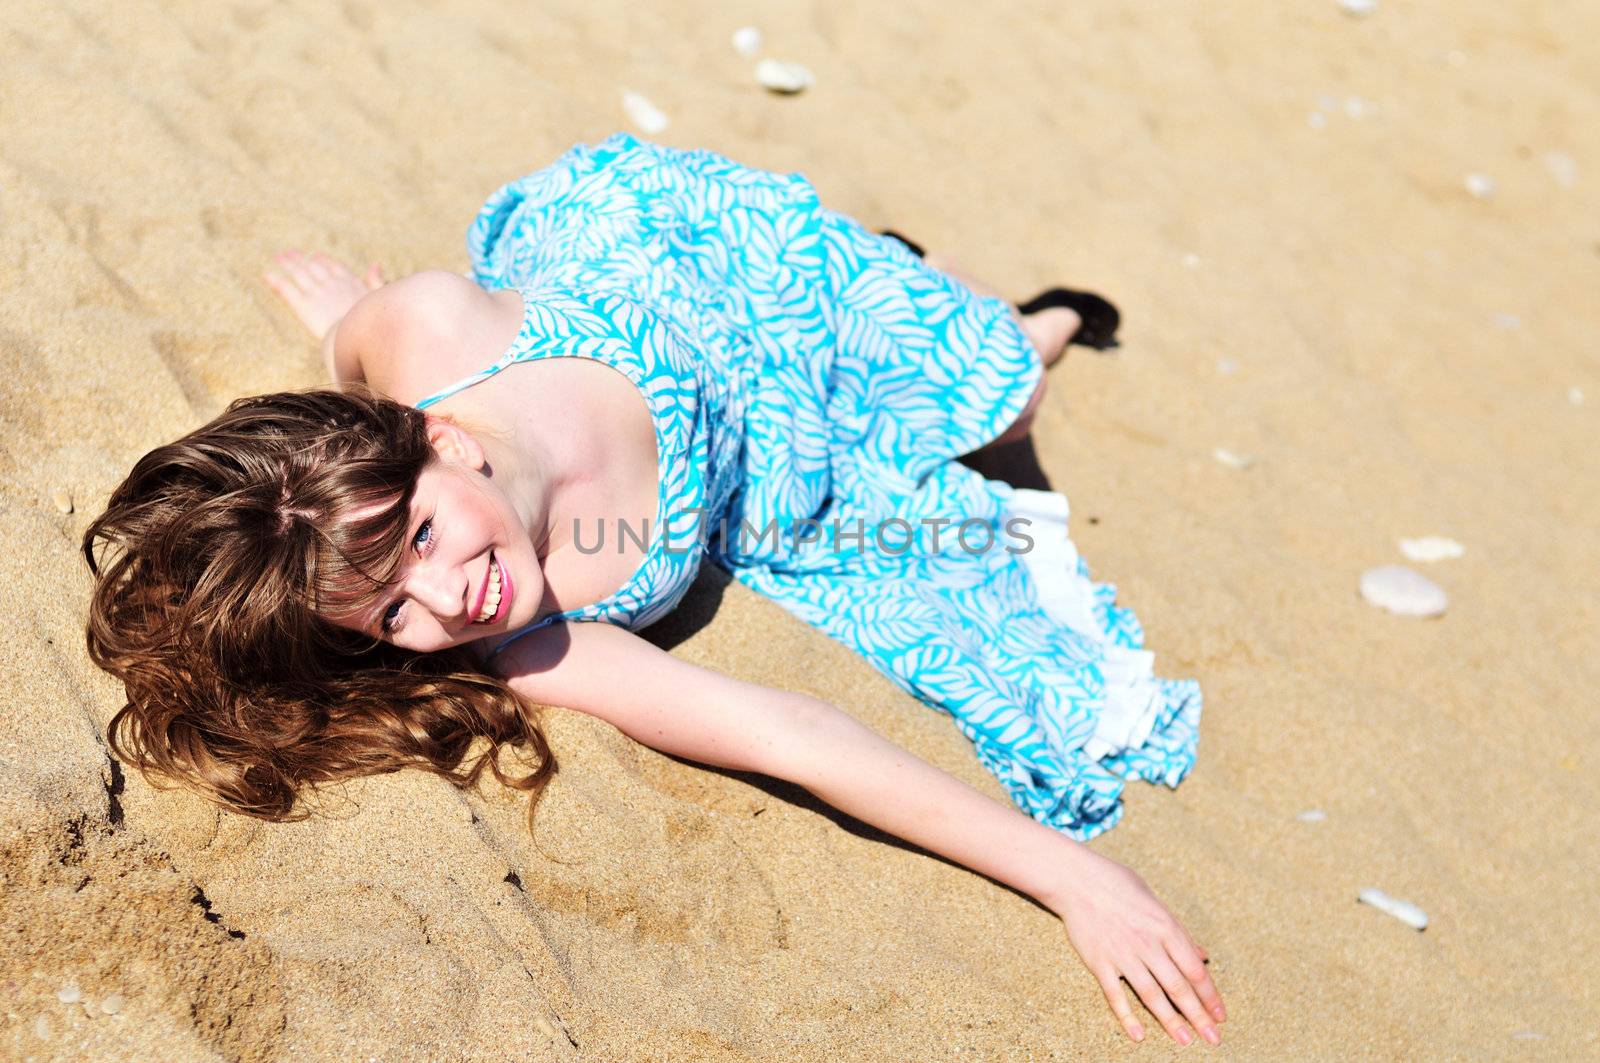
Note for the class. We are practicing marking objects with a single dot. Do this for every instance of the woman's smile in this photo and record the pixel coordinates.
(494, 597)
(469, 553)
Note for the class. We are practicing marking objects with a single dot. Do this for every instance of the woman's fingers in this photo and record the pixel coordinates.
(1155, 999)
(1191, 964)
(296, 269)
(1181, 993)
(283, 283)
(323, 269)
(1111, 986)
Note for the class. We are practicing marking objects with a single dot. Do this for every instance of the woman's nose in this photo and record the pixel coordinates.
(440, 589)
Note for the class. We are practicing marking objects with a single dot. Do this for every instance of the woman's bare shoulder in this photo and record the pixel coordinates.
(422, 333)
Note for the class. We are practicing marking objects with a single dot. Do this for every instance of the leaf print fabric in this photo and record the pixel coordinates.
(813, 383)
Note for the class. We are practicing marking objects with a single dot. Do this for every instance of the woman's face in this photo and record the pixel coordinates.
(470, 569)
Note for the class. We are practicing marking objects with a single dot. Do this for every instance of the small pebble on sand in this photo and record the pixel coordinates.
(69, 994)
(1191, 260)
(42, 1029)
(1312, 815)
(1431, 548)
(1358, 8)
(1233, 460)
(1403, 591)
(1480, 185)
(786, 79)
(641, 112)
(1404, 911)
(1563, 168)
(112, 1004)
(1575, 395)
(747, 40)
(62, 499)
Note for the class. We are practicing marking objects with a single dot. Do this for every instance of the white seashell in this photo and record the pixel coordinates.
(747, 40)
(1431, 548)
(1403, 591)
(1358, 8)
(1404, 911)
(1312, 815)
(42, 1029)
(1575, 395)
(112, 1004)
(641, 112)
(1481, 185)
(69, 994)
(62, 498)
(783, 78)
(1232, 460)
(1562, 167)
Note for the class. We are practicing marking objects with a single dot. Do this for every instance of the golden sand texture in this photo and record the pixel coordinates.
(1276, 196)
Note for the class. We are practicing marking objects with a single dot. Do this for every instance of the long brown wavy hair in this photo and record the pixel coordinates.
(215, 564)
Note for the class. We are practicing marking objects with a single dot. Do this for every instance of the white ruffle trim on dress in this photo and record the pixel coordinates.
(1132, 695)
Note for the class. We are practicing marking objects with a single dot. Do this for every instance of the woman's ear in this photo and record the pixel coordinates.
(453, 443)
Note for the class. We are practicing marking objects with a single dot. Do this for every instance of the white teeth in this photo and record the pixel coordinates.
(491, 600)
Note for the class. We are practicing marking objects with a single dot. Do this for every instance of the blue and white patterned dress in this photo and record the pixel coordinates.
(811, 385)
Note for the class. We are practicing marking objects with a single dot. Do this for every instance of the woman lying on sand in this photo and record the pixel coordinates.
(703, 362)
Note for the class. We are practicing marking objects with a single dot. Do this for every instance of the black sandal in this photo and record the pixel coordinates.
(1100, 318)
(910, 244)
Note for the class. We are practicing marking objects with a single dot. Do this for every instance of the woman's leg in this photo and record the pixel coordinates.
(1050, 330)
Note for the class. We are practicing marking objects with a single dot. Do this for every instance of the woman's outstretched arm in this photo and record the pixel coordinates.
(1118, 926)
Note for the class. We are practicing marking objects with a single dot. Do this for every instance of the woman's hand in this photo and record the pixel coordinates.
(319, 288)
(1117, 925)
(1123, 931)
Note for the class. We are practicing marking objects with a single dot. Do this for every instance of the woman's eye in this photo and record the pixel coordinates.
(422, 540)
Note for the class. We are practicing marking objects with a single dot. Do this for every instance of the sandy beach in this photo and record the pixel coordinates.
(1358, 255)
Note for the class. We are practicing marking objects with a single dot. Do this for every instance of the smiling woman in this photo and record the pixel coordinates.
(321, 586)
(469, 568)
(220, 562)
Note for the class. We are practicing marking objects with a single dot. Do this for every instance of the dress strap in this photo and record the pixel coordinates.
(460, 385)
(525, 629)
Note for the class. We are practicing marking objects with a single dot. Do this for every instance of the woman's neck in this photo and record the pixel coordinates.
(531, 478)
